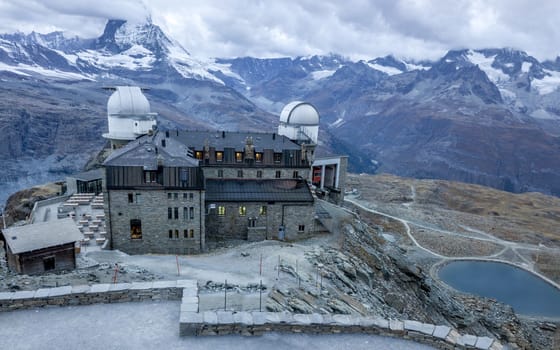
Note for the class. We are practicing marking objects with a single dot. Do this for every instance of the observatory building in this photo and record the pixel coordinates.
(128, 115)
(174, 191)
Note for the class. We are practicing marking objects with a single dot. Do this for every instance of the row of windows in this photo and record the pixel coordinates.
(242, 210)
(277, 175)
(187, 233)
(136, 231)
(173, 213)
(239, 156)
(175, 196)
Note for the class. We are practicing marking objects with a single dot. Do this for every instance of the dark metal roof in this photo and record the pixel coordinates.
(147, 153)
(234, 190)
(91, 175)
(230, 139)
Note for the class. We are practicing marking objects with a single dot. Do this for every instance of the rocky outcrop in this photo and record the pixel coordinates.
(370, 276)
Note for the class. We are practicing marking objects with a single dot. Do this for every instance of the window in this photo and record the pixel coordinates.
(262, 210)
(169, 195)
(301, 228)
(176, 213)
(170, 234)
(138, 196)
(252, 222)
(191, 196)
(277, 157)
(191, 213)
(150, 176)
(185, 213)
(296, 174)
(135, 229)
(219, 156)
(176, 234)
(221, 210)
(191, 233)
(170, 213)
(242, 210)
(278, 174)
(185, 233)
(259, 174)
(184, 177)
(258, 157)
(238, 156)
(220, 173)
(198, 155)
(175, 195)
(49, 263)
(239, 173)
(130, 198)
(185, 196)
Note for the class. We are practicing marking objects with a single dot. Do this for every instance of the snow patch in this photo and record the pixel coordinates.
(548, 84)
(542, 114)
(526, 66)
(121, 60)
(337, 123)
(322, 74)
(384, 69)
(411, 66)
(508, 95)
(25, 70)
(485, 64)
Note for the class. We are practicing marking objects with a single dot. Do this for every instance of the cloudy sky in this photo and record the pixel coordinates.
(360, 29)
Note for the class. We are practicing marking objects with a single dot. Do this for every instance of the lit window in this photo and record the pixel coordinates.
(219, 156)
(301, 228)
(242, 210)
(259, 173)
(238, 156)
(191, 233)
(221, 210)
(198, 155)
(258, 157)
(135, 229)
(262, 211)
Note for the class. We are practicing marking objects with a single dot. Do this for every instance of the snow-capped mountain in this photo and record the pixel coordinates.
(487, 116)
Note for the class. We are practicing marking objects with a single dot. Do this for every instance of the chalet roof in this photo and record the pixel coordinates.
(148, 153)
(234, 190)
(231, 139)
(42, 235)
(91, 175)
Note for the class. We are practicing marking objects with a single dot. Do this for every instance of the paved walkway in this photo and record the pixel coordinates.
(150, 325)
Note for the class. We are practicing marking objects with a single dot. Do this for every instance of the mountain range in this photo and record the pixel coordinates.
(490, 117)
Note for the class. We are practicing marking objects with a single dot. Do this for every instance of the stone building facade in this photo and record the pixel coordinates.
(171, 191)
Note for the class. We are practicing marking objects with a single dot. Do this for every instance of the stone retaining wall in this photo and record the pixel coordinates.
(96, 294)
(248, 323)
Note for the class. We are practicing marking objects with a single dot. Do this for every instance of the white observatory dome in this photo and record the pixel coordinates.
(128, 115)
(299, 113)
(128, 100)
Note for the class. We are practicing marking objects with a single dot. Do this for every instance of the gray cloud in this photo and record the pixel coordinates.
(355, 28)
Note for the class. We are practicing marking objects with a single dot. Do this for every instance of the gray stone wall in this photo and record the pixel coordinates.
(151, 207)
(97, 293)
(232, 225)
